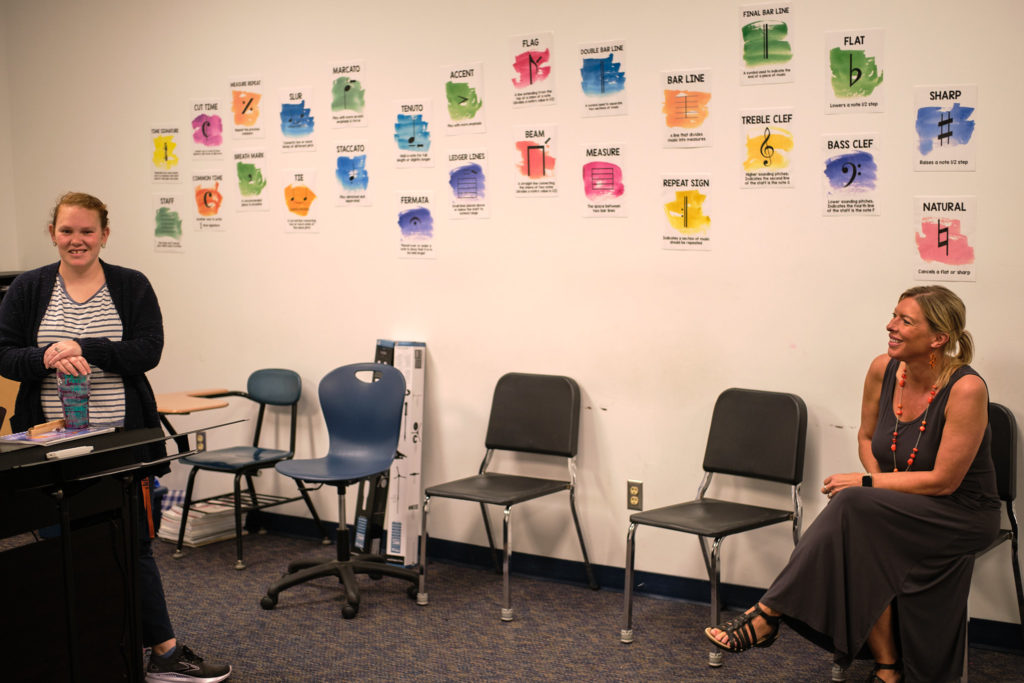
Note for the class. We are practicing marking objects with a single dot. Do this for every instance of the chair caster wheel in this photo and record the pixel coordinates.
(348, 611)
(267, 602)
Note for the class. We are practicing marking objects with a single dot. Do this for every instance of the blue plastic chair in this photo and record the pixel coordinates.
(268, 387)
(362, 405)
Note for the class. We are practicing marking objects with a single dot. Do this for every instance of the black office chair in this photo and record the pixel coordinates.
(754, 434)
(1005, 458)
(362, 405)
(268, 387)
(536, 414)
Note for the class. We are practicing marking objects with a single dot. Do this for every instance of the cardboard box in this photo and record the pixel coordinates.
(405, 489)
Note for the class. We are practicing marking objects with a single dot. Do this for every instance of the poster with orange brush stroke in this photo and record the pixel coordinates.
(686, 108)
(301, 204)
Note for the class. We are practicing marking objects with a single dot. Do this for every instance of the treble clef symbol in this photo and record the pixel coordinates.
(767, 151)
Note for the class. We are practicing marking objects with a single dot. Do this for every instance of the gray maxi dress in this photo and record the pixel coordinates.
(873, 547)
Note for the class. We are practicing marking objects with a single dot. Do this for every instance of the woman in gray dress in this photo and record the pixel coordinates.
(888, 562)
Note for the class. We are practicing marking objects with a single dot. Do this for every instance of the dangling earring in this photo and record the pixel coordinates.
(53, 243)
(931, 360)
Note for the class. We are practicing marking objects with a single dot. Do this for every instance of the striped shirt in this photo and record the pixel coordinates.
(65, 319)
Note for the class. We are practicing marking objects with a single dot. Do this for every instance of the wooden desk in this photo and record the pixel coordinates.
(185, 402)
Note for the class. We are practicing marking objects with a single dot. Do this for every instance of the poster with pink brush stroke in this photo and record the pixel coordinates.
(945, 238)
(535, 161)
(532, 72)
(604, 190)
(206, 123)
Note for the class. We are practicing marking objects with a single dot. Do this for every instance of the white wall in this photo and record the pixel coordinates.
(786, 300)
(9, 259)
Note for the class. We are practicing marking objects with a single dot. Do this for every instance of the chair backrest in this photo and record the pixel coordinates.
(363, 418)
(1004, 449)
(275, 386)
(535, 414)
(758, 434)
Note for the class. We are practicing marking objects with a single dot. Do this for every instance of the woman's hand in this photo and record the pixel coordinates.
(837, 482)
(66, 356)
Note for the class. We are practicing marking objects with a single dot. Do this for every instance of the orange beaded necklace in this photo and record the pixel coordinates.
(896, 428)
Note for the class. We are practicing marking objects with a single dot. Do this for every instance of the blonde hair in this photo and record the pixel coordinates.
(83, 200)
(946, 314)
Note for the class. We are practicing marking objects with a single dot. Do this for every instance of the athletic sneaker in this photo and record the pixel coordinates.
(184, 666)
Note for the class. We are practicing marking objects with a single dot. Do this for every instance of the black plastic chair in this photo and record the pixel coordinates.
(536, 414)
(362, 405)
(268, 387)
(1005, 458)
(754, 434)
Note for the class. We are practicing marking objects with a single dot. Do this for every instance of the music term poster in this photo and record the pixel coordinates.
(467, 184)
(533, 79)
(945, 238)
(412, 134)
(251, 176)
(207, 123)
(686, 202)
(944, 120)
(535, 156)
(302, 210)
(351, 177)
(766, 43)
(247, 108)
(348, 94)
(686, 106)
(207, 190)
(768, 142)
(167, 223)
(415, 226)
(856, 77)
(850, 174)
(163, 154)
(464, 97)
(604, 188)
(602, 70)
(298, 124)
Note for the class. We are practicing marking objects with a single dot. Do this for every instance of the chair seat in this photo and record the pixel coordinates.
(236, 458)
(497, 489)
(710, 517)
(331, 470)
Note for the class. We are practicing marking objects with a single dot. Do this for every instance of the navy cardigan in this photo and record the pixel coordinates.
(21, 359)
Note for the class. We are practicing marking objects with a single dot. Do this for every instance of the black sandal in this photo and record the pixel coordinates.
(741, 633)
(874, 677)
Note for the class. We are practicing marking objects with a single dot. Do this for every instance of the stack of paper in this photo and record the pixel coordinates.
(207, 523)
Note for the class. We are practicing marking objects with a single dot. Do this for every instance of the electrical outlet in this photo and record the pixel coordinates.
(634, 495)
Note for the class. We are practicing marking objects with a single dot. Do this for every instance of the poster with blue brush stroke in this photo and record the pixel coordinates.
(415, 225)
(467, 184)
(602, 78)
(850, 174)
(351, 176)
(945, 118)
(296, 120)
(412, 131)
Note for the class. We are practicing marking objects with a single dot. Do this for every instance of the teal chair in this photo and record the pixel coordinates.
(268, 387)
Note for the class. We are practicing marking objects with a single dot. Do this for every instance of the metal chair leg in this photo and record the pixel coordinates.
(626, 634)
(421, 595)
(185, 506)
(583, 546)
(490, 538)
(506, 611)
(239, 564)
(711, 561)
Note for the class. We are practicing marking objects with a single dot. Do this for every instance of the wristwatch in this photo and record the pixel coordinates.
(866, 480)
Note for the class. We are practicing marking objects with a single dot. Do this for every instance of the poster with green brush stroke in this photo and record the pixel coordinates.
(348, 94)
(464, 98)
(856, 75)
(766, 43)
(167, 223)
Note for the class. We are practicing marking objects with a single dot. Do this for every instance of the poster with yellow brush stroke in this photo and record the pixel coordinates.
(686, 205)
(767, 151)
(164, 154)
